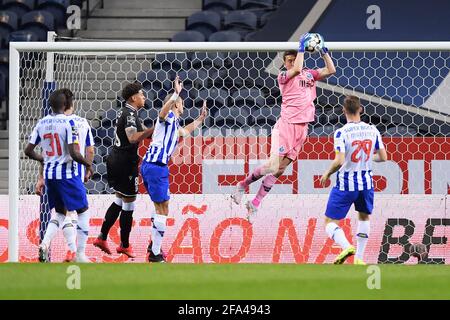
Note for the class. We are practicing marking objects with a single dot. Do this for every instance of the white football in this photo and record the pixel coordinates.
(314, 43)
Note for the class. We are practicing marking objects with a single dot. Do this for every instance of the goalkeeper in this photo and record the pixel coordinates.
(298, 89)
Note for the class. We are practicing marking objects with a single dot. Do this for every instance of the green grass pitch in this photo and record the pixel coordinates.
(223, 281)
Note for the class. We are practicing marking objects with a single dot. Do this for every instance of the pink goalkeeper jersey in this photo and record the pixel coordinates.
(298, 94)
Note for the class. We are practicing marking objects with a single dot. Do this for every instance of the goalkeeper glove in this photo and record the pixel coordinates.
(302, 44)
(322, 50)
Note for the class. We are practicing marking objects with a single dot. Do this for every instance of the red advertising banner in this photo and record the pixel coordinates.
(212, 165)
(288, 229)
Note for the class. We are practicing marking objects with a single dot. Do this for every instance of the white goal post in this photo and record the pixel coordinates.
(18, 48)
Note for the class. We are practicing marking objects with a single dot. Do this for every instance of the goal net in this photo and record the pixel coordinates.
(405, 92)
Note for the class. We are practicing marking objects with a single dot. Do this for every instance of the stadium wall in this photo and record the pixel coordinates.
(289, 229)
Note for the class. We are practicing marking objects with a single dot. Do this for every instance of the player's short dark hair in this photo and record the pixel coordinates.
(58, 100)
(69, 97)
(289, 53)
(130, 90)
(352, 104)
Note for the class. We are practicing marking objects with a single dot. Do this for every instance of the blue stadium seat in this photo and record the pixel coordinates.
(207, 60)
(57, 8)
(77, 2)
(266, 117)
(22, 35)
(98, 159)
(241, 21)
(263, 17)
(156, 79)
(98, 187)
(3, 94)
(148, 114)
(39, 22)
(205, 22)
(252, 97)
(225, 36)
(20, 7)
(100, 149)
(8, 23)
(150, 94)
(100, 168)
(232, 118)
(278, 2)
(400, 131)
(4, 63)
(220, 5)
(90, 186)
(171, 61)
(217, 98)
(109, 118)
(321, 130)
(188, 78)
(188, 36)
(256, 4)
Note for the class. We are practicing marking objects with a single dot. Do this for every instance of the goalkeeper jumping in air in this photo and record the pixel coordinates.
(298, 89)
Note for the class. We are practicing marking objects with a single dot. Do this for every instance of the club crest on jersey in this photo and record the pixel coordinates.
(281, 149)
(309, 75)
(74, 130)
(131, 119)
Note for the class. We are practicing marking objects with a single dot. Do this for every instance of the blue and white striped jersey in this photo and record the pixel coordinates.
(359, 141)
(165, 140)
(85, 137)
(54, 133)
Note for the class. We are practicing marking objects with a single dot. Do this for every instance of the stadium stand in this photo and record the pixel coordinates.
(19, 7)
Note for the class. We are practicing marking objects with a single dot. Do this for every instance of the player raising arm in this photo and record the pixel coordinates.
(298, 90)
(354, 144)
(58, 137)
(154, 170)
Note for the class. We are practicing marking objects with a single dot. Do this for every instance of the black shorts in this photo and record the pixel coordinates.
(123, 174)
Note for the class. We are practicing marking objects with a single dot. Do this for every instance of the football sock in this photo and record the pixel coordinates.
(82, 231)
(153, 217)
(362, 236)
(126, 222)
(264, 189)
(337, 234)
(110, 218)
(252, 177)
(53, 226)
(70, 234)
(158, 229)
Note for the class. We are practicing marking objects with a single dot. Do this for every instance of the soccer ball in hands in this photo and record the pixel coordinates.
(314, 42)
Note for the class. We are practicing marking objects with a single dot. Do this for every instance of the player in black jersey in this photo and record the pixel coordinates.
(122, 168)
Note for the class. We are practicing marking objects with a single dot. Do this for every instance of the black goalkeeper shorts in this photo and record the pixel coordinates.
(123, 174)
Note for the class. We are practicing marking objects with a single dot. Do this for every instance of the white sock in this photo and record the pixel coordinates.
(53, 226)
(69, 233)
(158, 229)
(337, 234)
(362, 236)
(82, 232)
